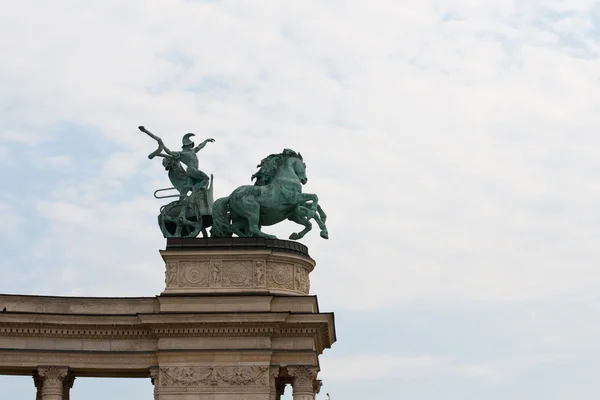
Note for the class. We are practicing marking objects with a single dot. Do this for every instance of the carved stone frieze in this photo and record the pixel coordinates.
(225, 273)
(214, 376)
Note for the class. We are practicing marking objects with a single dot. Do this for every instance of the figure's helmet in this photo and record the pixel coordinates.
(186, 141)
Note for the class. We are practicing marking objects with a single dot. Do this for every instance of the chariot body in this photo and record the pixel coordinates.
(188, 215)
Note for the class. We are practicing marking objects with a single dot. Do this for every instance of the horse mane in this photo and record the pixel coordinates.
(269, 165)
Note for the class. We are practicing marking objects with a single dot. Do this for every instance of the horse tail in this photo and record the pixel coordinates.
(221, 226)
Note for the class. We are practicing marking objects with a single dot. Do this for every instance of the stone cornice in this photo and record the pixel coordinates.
(158, 326)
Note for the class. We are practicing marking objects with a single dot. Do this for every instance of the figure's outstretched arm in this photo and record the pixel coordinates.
(201, 145)
(161, 145)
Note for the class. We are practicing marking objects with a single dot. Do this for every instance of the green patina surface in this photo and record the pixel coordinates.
(275, 196)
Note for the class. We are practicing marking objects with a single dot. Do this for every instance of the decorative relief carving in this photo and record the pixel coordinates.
(214, 376)
(237, 273)
(194, 273)
(303, 378)
(301, 279)
(280, 275)
(259, 274)
(215, 280)
(171, 274)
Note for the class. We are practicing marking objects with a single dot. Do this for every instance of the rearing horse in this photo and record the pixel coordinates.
(276, 196)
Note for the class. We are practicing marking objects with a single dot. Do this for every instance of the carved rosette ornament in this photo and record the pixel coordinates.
(303, 381)
(53, 382)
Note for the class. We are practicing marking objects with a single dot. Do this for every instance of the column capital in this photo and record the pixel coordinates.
(317, 384)
(154, 378)
(303, 377)
(53, 379)
(154, 375)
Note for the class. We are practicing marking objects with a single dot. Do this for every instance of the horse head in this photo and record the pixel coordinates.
(299, 169)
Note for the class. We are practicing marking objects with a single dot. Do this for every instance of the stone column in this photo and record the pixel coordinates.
(154, 380)
(37, 380)
(274, 384)
(303, 381)
(68, 385)
(53, 382)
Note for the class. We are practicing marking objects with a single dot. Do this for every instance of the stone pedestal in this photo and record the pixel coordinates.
(235, 322)
(237, 265)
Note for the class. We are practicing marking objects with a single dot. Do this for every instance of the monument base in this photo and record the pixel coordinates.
(236, 265)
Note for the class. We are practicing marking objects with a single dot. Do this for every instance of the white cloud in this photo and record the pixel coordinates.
(372, 367)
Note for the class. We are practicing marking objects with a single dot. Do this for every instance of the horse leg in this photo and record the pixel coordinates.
(324, 234)
(238, 229)
(313, 198)
(321, 213)
(301, 221)
(253, 214)
(321, 217)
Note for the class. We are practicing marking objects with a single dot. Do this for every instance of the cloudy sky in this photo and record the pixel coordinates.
(454, 144)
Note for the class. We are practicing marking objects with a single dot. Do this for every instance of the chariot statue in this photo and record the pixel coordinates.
(191, 213)
(275, 196)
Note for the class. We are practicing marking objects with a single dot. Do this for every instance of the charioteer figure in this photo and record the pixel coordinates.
(190, 214)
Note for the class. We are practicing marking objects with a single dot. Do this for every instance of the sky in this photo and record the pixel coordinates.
(454, 144)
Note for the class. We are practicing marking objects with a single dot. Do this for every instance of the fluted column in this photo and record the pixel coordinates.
(303, 381)
(154, 379)
(53, 382)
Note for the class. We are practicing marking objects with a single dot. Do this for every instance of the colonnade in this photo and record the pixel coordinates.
(55, 382)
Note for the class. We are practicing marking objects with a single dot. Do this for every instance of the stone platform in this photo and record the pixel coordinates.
(234, 322)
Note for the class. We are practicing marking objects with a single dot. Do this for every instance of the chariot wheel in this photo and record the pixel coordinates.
(177, 219)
